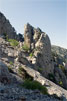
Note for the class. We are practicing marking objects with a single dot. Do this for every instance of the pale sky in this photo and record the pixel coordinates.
(49, 15)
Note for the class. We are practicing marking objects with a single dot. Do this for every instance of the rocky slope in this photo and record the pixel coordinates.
(31, 58)
(60, 59)
(9, 81)
(60, 51)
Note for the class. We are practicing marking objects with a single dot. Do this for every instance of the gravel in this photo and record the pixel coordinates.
(17, 93)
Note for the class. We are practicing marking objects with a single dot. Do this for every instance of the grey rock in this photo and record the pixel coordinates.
(38, 41)
(6, 29)
(4, 73)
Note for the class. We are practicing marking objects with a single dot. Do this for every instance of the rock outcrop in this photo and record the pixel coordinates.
(39, 42)
(7, 30)
(60, 70)
(62, 52)
(60, 77)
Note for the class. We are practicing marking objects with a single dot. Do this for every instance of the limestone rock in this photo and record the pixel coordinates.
(22, 58)
(60, 77)
(4, 73)
(37, 33)
(42, 48)
(7, 30)
(44, 59)
(52, 87)
(28, 33)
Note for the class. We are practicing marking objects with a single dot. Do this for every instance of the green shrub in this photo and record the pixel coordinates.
(13, 42)
(25, 47)
(60, 83)
(62, 67)
(11, 63)
(28, 84)
(31, 54)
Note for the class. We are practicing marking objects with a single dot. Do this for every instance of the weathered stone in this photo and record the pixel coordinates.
(6, 29)
(60, 77)
(37, 33)
(22, 58)
(40, 42)
(28, 35)
(4, 73)
(43, 55)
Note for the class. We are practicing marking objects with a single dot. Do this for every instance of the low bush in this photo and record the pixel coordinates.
(11, 63)
(13, 42)
(25, 47)
(28, 84)
(62, 67)
(31, 54)
(60, 83)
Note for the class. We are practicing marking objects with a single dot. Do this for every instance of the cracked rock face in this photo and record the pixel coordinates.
(41, 43)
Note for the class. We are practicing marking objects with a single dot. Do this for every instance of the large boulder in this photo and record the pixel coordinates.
(4, 73)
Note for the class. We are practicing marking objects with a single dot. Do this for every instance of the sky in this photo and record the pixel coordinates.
(48, 15)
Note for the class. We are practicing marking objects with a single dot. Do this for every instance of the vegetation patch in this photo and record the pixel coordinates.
(13, 42)
(11, 63)
(28, 84)
(60, 83)
(10, 69)
(31, 54)
(62, 68)
(24, 74)
(25, 47)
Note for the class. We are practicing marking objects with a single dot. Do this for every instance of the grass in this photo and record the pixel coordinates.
(13, 42)
(25, 47)
(33, 85)
(31, 55)
(60, 83)
(11, 63)
(62, 67)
